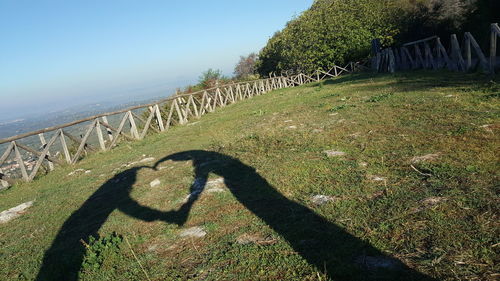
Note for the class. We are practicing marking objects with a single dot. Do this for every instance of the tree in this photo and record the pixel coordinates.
(246, 66)
(209, 78)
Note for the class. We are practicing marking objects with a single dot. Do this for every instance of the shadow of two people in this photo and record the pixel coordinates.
(321, 243)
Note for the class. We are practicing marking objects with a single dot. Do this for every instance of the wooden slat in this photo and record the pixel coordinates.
(122, 133)
(479, 52)
(100, 137)
(41, 158)
(108, 130)
(76, 140)
(49, 158)
(147, 124)
(133, 126)
(495, 33)
(44, 144)
(64, 146)
(7, 153)
(84, 142)
(118, 132)
(158, 117)
(20, 162)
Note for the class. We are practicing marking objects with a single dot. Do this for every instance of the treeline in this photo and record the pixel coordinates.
(339, 31)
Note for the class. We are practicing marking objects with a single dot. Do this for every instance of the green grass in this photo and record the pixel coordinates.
(380, 121)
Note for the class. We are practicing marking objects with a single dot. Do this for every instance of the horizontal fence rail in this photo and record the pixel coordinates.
(429, 53)
(132, 125)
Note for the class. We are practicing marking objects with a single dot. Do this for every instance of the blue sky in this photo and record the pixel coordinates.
(58, 53)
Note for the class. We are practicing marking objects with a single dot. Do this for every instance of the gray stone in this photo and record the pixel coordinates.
(155, 183)
(4, 185)
(147, 160)
(319, 199)
(376, 178)
(377, 262)
(334, 153)
(195, 232)
(425, 158)
(15, 212)
(257, 238)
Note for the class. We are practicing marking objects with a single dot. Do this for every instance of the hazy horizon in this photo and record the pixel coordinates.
(56, 55)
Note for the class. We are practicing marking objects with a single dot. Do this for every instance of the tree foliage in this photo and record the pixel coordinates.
(246, 66)
(339, 31)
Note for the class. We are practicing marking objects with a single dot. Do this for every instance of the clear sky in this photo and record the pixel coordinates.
(57, 53)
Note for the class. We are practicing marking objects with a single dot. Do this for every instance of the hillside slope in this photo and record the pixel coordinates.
(359, 177)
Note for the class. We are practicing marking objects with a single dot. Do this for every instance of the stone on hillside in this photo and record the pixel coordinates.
(317, 130)
(215, 183)
(246, 239)
(288, 121)
(377, 262)
(334, 153)
(15, 212)
(319, 199)
(333, 114)
(375, 178)
(195, 232)
(155, 183)
(428, 203)
(292, 127)
(363, 164)
(425, 158)
(147, 160)
(216, 190)
(79, 171)
(4, 185)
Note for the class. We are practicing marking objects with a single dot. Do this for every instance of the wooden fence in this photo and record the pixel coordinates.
(429, 53)
(161, 115)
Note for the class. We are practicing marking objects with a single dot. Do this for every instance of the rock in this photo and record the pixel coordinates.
(155, 183)
(246, 239)
(363, 164)
(317, 131)
(15, 212)
(216, 190)
(196, 232)
(333, 114)
(428, 203)
(319, 199)
(215, 183)
(425, 158)
(147, 160)
(77, 171)
(334, 153)
(377, 262)
(375, 178)
(288, 121)
(88, 172)
(4, 185)
(292, 127)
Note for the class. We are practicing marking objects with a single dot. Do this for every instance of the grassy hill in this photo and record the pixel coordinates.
(409, 191)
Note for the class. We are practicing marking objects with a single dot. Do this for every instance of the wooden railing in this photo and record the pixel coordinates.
(429, 53)
(161, 115)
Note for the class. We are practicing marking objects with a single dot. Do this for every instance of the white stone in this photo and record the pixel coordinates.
(288, 121)
(196, 232)
(76, 172)
(334, 153)
(146, 160)
(4, 185)
(15, 212)
(322, 199)
(375, 178)
(425, 158)
(155, 183)
(292, 127)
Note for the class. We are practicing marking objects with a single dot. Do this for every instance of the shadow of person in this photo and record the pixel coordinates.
(323, 244)
(62, 261)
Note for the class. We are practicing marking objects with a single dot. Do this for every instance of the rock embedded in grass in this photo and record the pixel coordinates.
(425, 158)
(375, 178)
(155, 183)
(15, 212)
(319, 199)
(195, 232)
(334, 153)
(4, 185)
(257, 238)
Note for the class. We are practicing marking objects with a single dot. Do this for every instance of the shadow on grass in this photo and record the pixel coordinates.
(323, 244)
